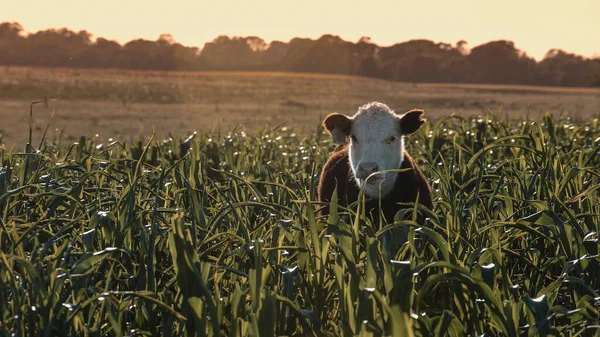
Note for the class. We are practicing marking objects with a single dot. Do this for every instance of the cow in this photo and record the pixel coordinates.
(369, 142)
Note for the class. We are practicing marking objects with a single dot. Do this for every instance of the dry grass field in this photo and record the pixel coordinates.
(128, 104)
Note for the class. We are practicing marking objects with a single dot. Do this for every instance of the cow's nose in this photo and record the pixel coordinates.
(366, 169)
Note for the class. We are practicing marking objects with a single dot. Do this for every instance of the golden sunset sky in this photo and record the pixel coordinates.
(534, 25)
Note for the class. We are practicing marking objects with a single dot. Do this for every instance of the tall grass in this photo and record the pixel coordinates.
(219, 235)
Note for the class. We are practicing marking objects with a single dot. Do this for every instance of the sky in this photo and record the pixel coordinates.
(534, 25)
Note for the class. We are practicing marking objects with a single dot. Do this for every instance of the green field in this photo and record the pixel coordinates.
(219, 234)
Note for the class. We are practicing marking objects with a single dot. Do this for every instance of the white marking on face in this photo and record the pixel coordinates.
(375, 145)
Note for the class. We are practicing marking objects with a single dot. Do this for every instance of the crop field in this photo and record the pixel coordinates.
(127, 105)
(219, 234)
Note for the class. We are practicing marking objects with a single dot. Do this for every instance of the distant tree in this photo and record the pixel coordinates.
(500, 62)
(418, 60)
(273, 55)
(561, 68)
(414, 61)
(366, 60)
(596, 72)
(56, 48)
(168, 38)
(461, 47)
(234, 53)
(10, 31)
(444, 46)
(328, 54)
(102, 53)
(11, 43)
(425, 69)
(364, 39)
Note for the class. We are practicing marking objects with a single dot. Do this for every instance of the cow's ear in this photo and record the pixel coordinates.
(411, 121)
(339, 126)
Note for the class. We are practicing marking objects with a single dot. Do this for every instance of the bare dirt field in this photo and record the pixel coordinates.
(128, 104)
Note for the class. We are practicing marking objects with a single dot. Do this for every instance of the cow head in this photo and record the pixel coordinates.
(375, 137)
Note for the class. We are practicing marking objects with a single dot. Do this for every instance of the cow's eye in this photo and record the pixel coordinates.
(353, 137)
(390, 140)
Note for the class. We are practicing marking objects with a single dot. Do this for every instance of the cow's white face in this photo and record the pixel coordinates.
(376, 143)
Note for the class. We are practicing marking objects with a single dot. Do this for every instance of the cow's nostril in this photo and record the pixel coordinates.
(367, 169)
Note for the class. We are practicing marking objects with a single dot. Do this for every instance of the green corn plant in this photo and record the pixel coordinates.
(220, 233)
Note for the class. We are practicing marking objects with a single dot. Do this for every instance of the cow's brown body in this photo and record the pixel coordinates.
(409, 184)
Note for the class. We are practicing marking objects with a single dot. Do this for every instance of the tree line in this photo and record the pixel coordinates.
(495, 62)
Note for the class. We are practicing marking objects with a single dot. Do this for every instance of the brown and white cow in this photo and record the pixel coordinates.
(369, 142)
